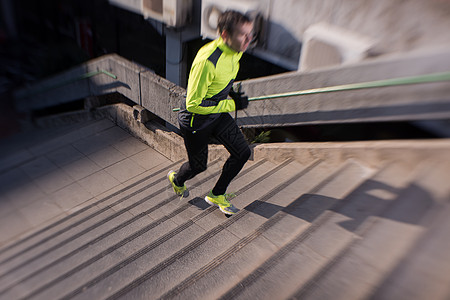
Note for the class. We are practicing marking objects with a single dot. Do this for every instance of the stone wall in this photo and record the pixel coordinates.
(395, 25)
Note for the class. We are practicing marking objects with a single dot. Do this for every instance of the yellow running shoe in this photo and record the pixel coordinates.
(179, 190)
(222, 202)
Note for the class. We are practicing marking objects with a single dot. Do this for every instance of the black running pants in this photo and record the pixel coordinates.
(225, 130)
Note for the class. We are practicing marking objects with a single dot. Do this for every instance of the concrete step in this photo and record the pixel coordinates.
(82, 214)
(258, 244)
(382, 243)
(147, 212)
(96, 222)
(93, 213)
(423, 274)
(156, 254)
(101, 226)
(304, 224)
(218, 244)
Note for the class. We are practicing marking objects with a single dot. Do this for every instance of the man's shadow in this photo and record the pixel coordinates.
(199, 202)
(407, 205)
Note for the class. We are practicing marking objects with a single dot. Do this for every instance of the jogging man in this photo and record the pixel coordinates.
(206, 111)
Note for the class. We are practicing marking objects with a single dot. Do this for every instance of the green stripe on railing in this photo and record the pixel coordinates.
(90, 74)
(428, 78)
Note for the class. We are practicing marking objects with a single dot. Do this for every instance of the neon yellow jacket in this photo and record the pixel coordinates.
(210, 80)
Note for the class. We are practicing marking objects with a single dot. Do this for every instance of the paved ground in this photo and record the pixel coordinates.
(46, 174)
(86, 213)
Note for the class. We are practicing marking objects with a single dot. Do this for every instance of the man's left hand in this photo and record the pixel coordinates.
(240, 99)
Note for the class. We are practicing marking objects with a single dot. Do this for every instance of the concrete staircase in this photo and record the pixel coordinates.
(349, 228)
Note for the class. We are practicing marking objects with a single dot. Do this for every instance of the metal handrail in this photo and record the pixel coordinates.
(66, 82)
(427, 78)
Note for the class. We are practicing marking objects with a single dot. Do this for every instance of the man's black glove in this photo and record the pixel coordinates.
(240, 100)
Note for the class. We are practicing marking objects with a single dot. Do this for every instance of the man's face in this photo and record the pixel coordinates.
(241, 37)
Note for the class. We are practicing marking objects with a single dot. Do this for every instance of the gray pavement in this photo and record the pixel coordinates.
(47, 174)
(87, 213)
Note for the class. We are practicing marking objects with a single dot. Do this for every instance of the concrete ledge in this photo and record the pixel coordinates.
(373, 153)
(158, 137)
(160, 96)
(58, 89)
(427, 101)
(404, 102)
(171, 145)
